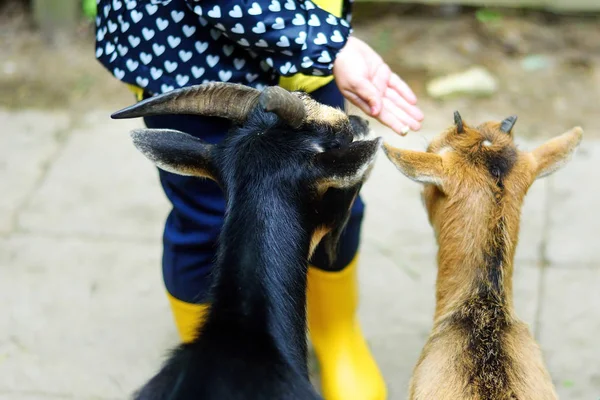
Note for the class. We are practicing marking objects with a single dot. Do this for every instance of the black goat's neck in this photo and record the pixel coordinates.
(260, 276)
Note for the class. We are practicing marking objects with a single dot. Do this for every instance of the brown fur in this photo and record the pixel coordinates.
(475, 185)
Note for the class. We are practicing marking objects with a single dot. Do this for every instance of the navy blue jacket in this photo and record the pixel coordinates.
(161, 45)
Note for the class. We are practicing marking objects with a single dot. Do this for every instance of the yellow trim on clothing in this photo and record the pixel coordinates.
(188, 317)
(311, 83)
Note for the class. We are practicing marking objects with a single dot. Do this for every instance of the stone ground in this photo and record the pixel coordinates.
(83, 305)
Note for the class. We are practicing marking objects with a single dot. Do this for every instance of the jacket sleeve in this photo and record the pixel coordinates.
(291, 36)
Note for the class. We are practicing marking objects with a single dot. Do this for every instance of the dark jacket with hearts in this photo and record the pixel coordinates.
(160, 45)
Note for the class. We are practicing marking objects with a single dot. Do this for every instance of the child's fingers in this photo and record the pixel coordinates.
(402, 88)
(401, 102)
(401, 115)
(388, 118)
(368, 93)
(357, 101)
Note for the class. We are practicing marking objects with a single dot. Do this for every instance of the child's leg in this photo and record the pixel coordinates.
(348, 370)
(192, 227)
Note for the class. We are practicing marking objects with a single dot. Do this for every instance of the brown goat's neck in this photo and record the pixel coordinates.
(475, 257)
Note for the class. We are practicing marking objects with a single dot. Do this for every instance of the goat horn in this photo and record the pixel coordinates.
(218, 99)
(288, 107)
(507, 125)
(458, 121)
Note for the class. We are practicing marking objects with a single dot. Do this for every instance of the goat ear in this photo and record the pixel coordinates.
(176, 152)
(345, 167)
(417, 165)
(555, 153)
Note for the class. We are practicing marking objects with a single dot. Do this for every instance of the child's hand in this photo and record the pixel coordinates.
(367, 81)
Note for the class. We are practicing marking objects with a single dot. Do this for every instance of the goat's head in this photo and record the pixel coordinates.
(280, 142)
(467, 170)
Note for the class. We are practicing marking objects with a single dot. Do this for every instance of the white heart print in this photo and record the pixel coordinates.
(309, 5)
(314, 20)
(269, 62)
(238, 28)
(136, 16)
(182, 79)
(132, 65)
(307, 62)
(215, 12)
(113, 57)
(299, 20)
(166, 88)
(198, 10)
(331, 20)
(162, 24)
(283, 42)
(177, 16)
(109, 48)
(243, 42)
(122, 50)
(151, 8)
(146, 58)
(251, 77)
(255, 9)
(197, 72)
(275, 6)
(261, 43)
(112, 27)
(215, 34)
(301, 39)
(117, 5)
(236, 12)
(171, 66)
(285, 68)
(337, 37)
(320, 39)
(212, 60)
(259, 28)
(130, 4)
(225, 75)
(119, 73)
(142, 82)
(156, 73)
(325, 58)
(290, 5)
(228, 50)
(173, 41)
(158, 49)
(239, 63)
(147, 33)
(99, 52)
(125, 26)
(134, 41)
(185, 55)
(279, 24)
(188, 30)
(201, 46)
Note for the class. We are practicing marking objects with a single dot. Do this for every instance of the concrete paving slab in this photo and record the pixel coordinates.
(569, 331)
(81, 318)
(574, 216)
(27, 142)
(398, 295)
(100, 185)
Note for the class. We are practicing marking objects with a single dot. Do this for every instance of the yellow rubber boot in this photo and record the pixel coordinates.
(188, 317)
(348, 370)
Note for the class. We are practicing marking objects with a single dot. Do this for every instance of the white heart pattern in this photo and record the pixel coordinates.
(215, 12)
(212, 60)
(320, 39)
(228, 50)
(325, 58)
(122, 50)
(158, 49)
(197, 72)
(156, 73)
(238, 28)
(261, 43)
(301, 39)
(275, 6)
(279, 23)
(146, 58)
(331, 20)
(255, 9)
(188, 30)
(337, 37)
(166, 88)
(185, 55)
(290, 5)
(283, 42)
(259, 28)
(147, 33)
(239, 63)
(151, 8)
(132, 65)
(177, 16)
(142, 82)
(236, 12)
(201, 46)
(136, 16)
(299, 20)
(119, 73)
(225, 75)
(306, 62)
(162, 24)
(171, 66)
(182, 79)
(173, 41)
(314, 20)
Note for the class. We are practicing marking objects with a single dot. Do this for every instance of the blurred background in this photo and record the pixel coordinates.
(83, 313)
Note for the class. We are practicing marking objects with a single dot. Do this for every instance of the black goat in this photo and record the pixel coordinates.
(290, 170)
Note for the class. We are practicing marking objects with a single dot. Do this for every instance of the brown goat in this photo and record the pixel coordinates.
(475, 182)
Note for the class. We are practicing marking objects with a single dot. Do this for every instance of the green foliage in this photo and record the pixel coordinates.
(89, 8)
(485, 15)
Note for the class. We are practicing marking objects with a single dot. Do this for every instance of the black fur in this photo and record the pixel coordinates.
(252, 345)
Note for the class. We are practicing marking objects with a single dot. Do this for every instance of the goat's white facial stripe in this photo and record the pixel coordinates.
(487, 143)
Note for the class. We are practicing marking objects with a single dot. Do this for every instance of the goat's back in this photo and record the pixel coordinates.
(450, 369)
(228, 366)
